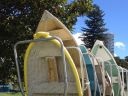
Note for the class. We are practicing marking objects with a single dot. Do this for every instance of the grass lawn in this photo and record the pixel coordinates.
(9, 94)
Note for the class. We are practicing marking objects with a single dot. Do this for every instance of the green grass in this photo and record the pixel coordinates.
(10, 94)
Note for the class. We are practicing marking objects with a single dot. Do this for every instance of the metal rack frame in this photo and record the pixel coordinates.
(39, 40)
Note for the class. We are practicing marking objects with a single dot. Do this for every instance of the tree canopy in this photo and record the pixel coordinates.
(126, 58)
(19, 19)
(122, 62)
(95, 27)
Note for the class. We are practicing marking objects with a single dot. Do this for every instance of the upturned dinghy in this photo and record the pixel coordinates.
(43, 69)
(124, 78)
(100, 51)
(55, 27)
(92, 68)
(103, 78)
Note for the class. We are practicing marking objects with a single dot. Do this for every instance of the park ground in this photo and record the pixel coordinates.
(9, 94)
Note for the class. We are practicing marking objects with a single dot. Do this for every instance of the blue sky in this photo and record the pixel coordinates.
(116, 19)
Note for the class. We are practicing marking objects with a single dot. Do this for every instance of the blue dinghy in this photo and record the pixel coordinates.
(94, 85)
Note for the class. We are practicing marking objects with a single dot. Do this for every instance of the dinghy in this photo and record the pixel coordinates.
(124, 78)
(43, 69)
(126, 81)
(55, 27)
(100, 51)
(94, 84)
(103, 78)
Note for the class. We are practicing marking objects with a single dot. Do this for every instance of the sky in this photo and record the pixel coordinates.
(116, 19)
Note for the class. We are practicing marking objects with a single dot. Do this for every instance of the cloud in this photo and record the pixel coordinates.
(119, 45)
(115, 55)
(78, 40)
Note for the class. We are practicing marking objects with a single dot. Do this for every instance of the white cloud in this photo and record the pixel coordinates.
(119, 45)
(78, 40)
(115, 55)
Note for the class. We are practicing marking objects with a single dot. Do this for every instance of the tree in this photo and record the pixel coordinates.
(121, 62)
(126, 59)
(19, 19)
(95, 27)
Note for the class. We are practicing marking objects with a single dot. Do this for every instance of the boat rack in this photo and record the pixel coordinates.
(39, 40)
(82, 67)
